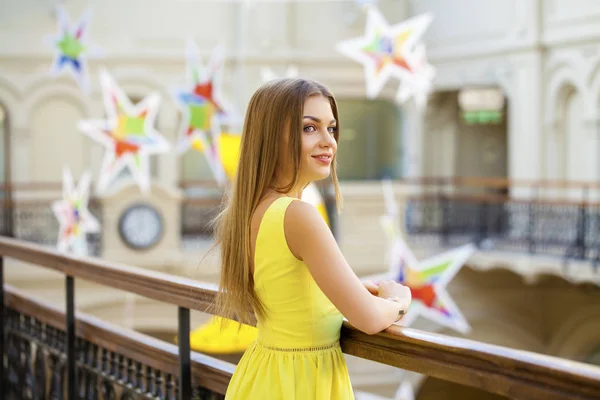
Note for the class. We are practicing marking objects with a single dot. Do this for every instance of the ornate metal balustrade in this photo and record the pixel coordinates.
(50, 352)
(110, 362)
(540, 222)
(29, 217)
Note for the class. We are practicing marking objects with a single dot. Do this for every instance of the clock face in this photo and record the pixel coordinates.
(141, 227)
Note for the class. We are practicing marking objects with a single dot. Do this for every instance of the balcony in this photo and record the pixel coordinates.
(58, 354)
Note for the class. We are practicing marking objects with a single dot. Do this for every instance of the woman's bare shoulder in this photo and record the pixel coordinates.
(302, 226)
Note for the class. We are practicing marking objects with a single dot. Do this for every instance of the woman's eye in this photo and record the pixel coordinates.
(309, 128)
(332, 129)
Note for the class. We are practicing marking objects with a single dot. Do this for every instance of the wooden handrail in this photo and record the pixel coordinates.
(496, 369)
(208, 372)
(154, 285)
(504, 371)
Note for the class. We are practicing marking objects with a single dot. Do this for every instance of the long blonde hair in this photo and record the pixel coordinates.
(275, 108)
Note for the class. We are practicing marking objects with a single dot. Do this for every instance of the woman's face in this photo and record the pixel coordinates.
(318, 139)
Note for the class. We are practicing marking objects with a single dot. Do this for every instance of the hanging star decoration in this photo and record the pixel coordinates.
(386, 51)
(71, 46)
(128, 134)
(419, 81)
(203, 108)
(267, 74)
(426, 279)
(75, 220)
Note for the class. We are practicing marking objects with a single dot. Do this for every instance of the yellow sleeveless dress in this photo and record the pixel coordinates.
(297, 355)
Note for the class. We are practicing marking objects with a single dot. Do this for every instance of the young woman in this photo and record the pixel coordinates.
(280, 262)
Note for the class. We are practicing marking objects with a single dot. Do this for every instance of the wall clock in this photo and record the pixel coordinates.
(141, 226)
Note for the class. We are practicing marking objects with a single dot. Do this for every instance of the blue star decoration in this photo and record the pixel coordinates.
(71, 46)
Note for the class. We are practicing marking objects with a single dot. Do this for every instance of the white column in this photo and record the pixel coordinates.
(413, 140)
(525, 124)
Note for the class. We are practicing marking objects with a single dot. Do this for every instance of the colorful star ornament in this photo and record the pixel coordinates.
(427, 279)
(73, 216)
(386, 51)
(418, 83)
(71, 46)
(204, 110)
(268, 74)
(128, 134)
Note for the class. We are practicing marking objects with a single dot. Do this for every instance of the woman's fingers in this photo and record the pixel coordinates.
(371, 287)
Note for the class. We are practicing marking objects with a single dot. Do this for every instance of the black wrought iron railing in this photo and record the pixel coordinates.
(108, 362)
(68, 355)
(560, 219)
(565, 223)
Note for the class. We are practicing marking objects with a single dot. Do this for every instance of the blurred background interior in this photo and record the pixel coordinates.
(504, 154)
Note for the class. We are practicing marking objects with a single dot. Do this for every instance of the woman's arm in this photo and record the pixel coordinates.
(311, 240)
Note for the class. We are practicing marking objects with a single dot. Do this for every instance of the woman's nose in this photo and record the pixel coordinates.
(328, 140)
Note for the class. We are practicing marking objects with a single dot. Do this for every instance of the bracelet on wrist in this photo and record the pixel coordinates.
(397, 299)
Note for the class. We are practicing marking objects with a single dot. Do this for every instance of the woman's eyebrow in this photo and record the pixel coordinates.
(333, 121)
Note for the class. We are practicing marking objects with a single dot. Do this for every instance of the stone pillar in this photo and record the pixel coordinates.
(523, 87)
(412, 140)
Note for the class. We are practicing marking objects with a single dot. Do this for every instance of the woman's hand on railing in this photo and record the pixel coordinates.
(393, 291)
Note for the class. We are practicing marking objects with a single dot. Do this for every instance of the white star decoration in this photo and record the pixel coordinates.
(427, 279)
(268, 74)
(74, 218)
(419, 83)
(72, 47)
(385, 51)
(203, 108)
(128, 134)
(393, 51)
